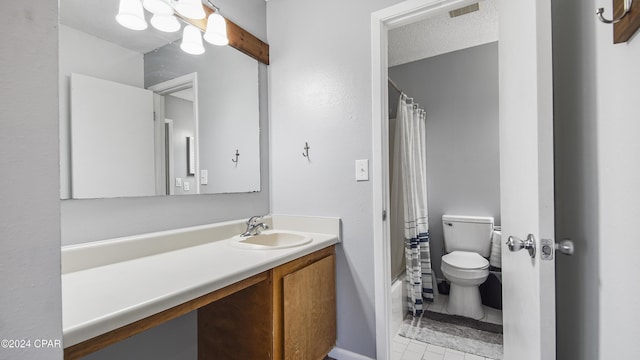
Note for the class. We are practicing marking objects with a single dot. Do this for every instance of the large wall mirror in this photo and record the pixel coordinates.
(140, 117)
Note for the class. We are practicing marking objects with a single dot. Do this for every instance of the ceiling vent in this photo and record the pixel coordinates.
(464, 10)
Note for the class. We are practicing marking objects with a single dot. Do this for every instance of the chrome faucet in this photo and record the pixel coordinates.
(253, 227)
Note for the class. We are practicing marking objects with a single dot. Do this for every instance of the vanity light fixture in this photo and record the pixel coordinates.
(158, 7)
(166, 23)
(216, 33)
(131, 15)
(190, 8)
(192, 41)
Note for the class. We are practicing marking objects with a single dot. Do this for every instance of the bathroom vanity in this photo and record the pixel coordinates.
(273, 302)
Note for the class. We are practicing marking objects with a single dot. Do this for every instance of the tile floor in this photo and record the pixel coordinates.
(439, 305)
(407, 349)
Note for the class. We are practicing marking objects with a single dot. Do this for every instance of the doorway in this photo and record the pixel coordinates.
(176, 135)
(429, 13)
(526, 168)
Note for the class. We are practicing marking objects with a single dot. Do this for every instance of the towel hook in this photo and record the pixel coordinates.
(306, 150)
(236, 159)
(627, 9)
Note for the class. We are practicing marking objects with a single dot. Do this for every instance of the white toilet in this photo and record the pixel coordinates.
(467, 241)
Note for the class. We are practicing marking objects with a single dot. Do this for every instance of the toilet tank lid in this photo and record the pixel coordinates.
(468, 219)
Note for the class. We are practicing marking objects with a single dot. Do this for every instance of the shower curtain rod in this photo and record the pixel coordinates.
(394, 85)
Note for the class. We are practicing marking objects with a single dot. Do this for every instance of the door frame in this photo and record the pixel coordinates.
(167, 88)
(381, 22)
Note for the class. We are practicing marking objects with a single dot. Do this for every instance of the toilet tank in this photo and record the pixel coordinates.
(468, 233)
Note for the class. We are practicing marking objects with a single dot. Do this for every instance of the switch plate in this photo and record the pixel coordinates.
(204, 177)
(185, 186)
(178, 182)
(362, 170)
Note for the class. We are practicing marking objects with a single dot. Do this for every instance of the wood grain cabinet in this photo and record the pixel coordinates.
(288, 312)
(291, 315)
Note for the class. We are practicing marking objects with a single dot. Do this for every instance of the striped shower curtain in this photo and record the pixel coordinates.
(410, 144)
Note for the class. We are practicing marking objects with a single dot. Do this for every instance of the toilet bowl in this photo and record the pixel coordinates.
(467, 241)
(466, 271)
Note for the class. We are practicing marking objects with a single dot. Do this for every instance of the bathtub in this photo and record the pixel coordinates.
(398, 303)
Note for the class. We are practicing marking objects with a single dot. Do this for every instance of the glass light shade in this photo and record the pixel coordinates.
(192, 41)
(131, 15)
(216, 30)
(190, 8)
(166, 23)
(158, 7)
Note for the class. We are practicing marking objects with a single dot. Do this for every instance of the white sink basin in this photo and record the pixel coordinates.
(270, 239)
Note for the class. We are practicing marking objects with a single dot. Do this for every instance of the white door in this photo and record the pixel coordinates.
(526, 179)
(112, 139)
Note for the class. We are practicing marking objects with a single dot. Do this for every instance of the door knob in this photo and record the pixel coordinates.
(565, 247)
(516, 244)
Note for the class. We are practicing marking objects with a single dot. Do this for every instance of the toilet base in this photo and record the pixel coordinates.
(465, 301)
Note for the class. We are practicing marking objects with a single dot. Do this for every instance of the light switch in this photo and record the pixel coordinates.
(185, 186)
(204, 177)
(178, 182)
(362, 170)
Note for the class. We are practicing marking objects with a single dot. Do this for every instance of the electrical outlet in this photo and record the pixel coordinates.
(185, 186)
(178, 182)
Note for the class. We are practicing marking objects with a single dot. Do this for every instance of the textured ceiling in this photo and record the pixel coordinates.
(442, 34)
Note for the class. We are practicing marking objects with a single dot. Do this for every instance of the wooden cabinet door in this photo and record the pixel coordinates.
(310, 310)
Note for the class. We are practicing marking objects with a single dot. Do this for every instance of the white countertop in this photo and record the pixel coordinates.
(96, 300)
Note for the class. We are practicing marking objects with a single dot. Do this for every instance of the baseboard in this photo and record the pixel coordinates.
(342, 354)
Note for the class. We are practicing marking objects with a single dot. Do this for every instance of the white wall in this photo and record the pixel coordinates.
(88, 55)
(30, 296)
(320, 91)
(597, 177)
(618, 128)
(576, 174)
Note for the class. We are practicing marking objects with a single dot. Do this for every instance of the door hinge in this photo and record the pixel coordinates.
(384, 215)
(154, 116)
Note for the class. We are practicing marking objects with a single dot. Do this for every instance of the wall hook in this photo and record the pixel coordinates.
(236, 159)
(627, 9)
(306, 150)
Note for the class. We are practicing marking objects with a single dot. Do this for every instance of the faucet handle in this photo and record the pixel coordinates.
(252, 220)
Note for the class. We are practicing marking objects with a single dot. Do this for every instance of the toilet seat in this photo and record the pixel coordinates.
(465, 260)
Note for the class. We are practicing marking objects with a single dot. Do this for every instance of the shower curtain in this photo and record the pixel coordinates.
(409, 193)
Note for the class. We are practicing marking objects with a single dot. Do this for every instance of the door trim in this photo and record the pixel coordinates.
(168, 87)
(381, 22)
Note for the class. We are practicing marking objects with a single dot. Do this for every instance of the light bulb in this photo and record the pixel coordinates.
(131, 15)
(192, 41)
(166, 23)
(191, 9)
(157, 7)
(216, 30)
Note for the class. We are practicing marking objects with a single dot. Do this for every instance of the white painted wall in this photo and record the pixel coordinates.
(618, 128)
(88, 55)
(320, 91)
(576, 185)
(30, 296)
